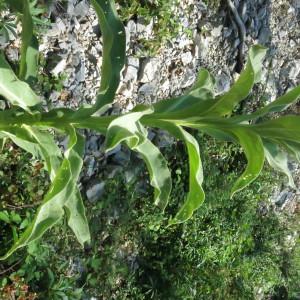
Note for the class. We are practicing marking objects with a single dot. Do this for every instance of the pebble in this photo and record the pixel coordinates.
(95, 192)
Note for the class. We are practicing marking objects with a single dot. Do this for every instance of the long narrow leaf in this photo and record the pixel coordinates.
(32, 54)
(283, 128)
(27, 40)
(76, 217)
(196, 195)
(200, 97)
(160, 176)
(254, 151)
(241, 89)
(114, 46)
(278, 105)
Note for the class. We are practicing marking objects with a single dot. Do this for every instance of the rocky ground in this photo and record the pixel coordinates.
(216, 38)
(211, 37)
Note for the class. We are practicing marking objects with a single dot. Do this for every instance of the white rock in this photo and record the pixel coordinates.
(131, 26)
(217, 31)
(59, 67)
(295, 69)
(222, 83)
(149, 69)
(132, 69)
(60, 25)
(186, 58)
(165, 86)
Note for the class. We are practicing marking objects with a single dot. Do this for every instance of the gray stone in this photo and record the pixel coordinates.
(61, 27)
(80, 72)
(81, 9)
(132, 69)
(264, 35)
(283, 197)
(122, 157)
(144, 28)
(54, 96)
(188, 78)
(95, 192)
(262, 13)
(222, 83)
(147, 89)
(131, 26)
(92, 143)
(113, 151)
(91, 166)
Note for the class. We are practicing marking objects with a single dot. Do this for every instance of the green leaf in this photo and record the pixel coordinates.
(160, 176)
(113, 54)
(198, 99)
(278, 159)
(40, 144)
(32, 55)
(15, 4)
(2, 143)
(29, 47)
(282, 102)
(283, 128)
(4, 216)
(196, 195)
(62, 188)
(241, 89)
(76, 217)
(128, 129)
(254, 151)
(15, 91)
(278, 105)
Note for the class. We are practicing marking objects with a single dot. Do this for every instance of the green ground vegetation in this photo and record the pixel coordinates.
(230, 249)
(166, 24)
